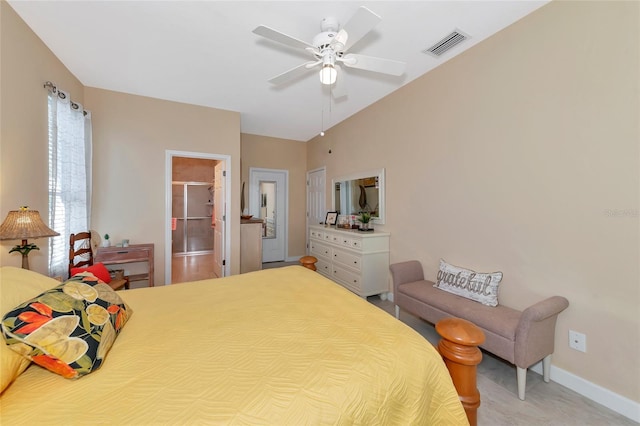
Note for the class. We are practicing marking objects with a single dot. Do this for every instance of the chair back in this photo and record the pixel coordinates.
(80, 252)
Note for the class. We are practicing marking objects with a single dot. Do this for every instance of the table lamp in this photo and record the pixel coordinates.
(21, 225)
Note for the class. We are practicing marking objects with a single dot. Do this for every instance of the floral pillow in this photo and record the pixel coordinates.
(16, 286)
(68, 329)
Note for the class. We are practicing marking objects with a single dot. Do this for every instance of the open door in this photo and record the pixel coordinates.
(218, 219)
(268, 192)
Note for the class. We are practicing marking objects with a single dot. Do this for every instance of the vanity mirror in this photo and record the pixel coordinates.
(360, 192)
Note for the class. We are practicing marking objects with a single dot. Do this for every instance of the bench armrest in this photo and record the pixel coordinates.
(544, 309)
(535, 335)
(406, 272)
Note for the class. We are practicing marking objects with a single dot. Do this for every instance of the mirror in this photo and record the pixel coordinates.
(360, 192)
(268, 208)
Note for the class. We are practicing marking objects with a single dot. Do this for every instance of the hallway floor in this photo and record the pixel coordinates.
(192, 268)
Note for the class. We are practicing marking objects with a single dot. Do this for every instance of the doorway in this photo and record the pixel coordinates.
(268, 200)
(197, 192)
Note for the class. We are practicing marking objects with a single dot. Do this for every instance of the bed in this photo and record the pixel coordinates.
(282, 346)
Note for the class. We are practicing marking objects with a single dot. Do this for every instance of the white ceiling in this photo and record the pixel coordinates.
(204, 52)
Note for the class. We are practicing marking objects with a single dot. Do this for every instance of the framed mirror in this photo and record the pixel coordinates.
(360, 192)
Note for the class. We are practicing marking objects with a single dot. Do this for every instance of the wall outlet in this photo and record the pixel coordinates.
(577, 341)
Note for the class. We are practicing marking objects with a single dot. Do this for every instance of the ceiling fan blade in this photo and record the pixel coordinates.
(276, 35)
(370, 63)
(293, 73)
(359, 25)
(340, 40)
(339, 89)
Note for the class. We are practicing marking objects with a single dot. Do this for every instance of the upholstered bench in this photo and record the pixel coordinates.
(522, 338)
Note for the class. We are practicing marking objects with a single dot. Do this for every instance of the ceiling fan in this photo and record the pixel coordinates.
(329, 49)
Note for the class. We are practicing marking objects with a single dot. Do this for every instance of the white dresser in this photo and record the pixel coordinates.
(357, 260)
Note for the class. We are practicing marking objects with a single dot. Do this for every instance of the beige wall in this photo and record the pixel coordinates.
(284, 154)
(521, 155)
(131, 135)
(25, 65)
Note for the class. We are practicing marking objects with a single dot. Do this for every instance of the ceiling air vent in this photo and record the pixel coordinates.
(448, 42)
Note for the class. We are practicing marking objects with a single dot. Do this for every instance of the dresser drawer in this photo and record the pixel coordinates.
(316, 234)
(324, 268)
(335, 239)
(122, 255)
(347, 259)
(345, 241)
(320, 250)
(350, 280)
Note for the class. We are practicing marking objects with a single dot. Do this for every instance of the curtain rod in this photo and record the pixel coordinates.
(53, 89)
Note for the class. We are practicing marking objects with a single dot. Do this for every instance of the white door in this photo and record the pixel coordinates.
(316, 197)
(219, 209)
(268, 201)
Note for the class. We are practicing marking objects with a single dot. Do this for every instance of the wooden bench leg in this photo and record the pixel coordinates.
(459, 348)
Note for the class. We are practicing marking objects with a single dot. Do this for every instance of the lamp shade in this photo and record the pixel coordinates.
(328, 74)
(24, 224)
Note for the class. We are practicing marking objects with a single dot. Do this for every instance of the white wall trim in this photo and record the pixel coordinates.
(594, 392)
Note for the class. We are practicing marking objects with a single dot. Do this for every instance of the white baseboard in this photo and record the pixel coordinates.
(597, 393)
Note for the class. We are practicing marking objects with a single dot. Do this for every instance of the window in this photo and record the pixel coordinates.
(69, 175)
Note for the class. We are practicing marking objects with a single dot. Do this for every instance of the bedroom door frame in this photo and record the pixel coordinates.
(168, 173)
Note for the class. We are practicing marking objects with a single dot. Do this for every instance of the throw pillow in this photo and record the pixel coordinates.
(17, 285)
(68, 329)
(98, 269)
(481, 287)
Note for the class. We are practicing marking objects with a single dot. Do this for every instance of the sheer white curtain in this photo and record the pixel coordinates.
(69, 176)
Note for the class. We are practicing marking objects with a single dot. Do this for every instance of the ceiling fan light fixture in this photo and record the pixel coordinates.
(328, 74)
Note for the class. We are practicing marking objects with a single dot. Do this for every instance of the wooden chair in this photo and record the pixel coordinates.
(81, 256)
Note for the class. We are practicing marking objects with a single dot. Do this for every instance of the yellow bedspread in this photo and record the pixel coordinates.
(277, 347)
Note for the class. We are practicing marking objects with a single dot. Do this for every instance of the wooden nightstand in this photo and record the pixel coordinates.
(131, 254)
